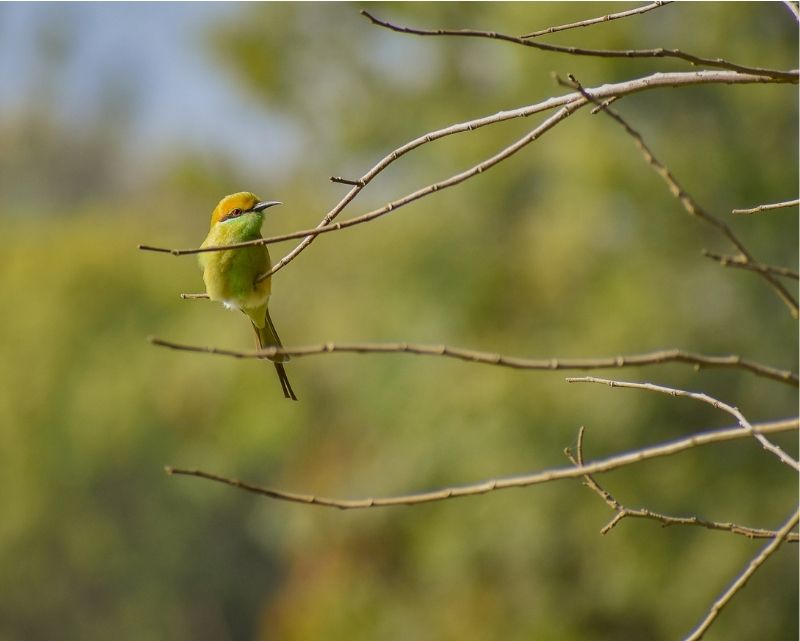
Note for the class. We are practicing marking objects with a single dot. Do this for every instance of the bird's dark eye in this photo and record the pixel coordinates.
(235, 212)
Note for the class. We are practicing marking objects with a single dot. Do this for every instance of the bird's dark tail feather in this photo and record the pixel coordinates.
(288, 392)
(268, 337)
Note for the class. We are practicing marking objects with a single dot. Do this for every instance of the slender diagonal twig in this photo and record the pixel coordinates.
(489, 358)
(769, 207)
(612, 90)
(604, 465)
(742, 263)
(689, 203)
(786, 76)
(622, 512)
(794, 7)
(481, 167)
(592, 21)
(744, 577)
(698, 396)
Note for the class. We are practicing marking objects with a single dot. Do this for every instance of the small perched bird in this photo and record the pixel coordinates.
(231, 275)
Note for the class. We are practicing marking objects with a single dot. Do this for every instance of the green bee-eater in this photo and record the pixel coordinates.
(231, 275)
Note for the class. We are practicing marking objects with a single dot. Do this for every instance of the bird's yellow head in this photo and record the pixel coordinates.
(237, 204)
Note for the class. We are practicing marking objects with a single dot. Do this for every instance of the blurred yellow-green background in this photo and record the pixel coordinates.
(125, 123)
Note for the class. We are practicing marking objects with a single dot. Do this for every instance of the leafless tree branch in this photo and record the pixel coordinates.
(347, 181)
(488, 358)
(689, 203)
(573, 100)
(604, 465)
(622, 512)
(328, 226)
(744, 577)
(786, 76)
(760, 208)
(698, 396)
(592, 21)
(794, 7)
(742, 263)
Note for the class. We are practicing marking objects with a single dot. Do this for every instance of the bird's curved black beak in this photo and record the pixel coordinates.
(265, 205)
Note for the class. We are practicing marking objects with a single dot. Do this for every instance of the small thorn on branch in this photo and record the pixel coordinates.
(347, 181)
(162, 250)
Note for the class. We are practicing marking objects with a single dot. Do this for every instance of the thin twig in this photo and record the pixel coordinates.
(194, 296)
(613, 90)
(742, 262)
(604, 465)
(785, 76)
(744, 577)
(698, 396)
(624, 512)
(794, 7)
(769, 207)
(592, 21)
(347, 181)
(603, 105)
(481, 167)
(689, 203)
(488, 358)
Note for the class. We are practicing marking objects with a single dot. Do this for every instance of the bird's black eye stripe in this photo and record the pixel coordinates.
(233, 213)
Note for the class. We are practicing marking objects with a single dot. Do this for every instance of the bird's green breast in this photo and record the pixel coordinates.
(230, 276)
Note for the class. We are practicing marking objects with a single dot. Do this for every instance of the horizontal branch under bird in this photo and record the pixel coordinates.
(493, 485)
(489, 358)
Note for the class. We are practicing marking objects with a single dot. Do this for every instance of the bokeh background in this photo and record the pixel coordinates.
(125, 123)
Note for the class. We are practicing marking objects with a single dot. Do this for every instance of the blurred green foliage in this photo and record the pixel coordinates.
(572, 248)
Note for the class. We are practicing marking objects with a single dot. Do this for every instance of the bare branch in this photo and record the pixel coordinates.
(612, 90)
(624, 512)
(488, 358)
(744, 577)
(604, 465)
(784, 76)
(760, 208)
(742, 262)
(592, 21)
(688, 202)
(505, 153)
(794, 7)
(194, 296)
(347, 181)
(698, 396)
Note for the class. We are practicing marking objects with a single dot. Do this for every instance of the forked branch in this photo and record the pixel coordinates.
(704, 398)
(547, 476)
(744, 577)
(612, 91)
(622, 512)
(691, 206)
(778, 74)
